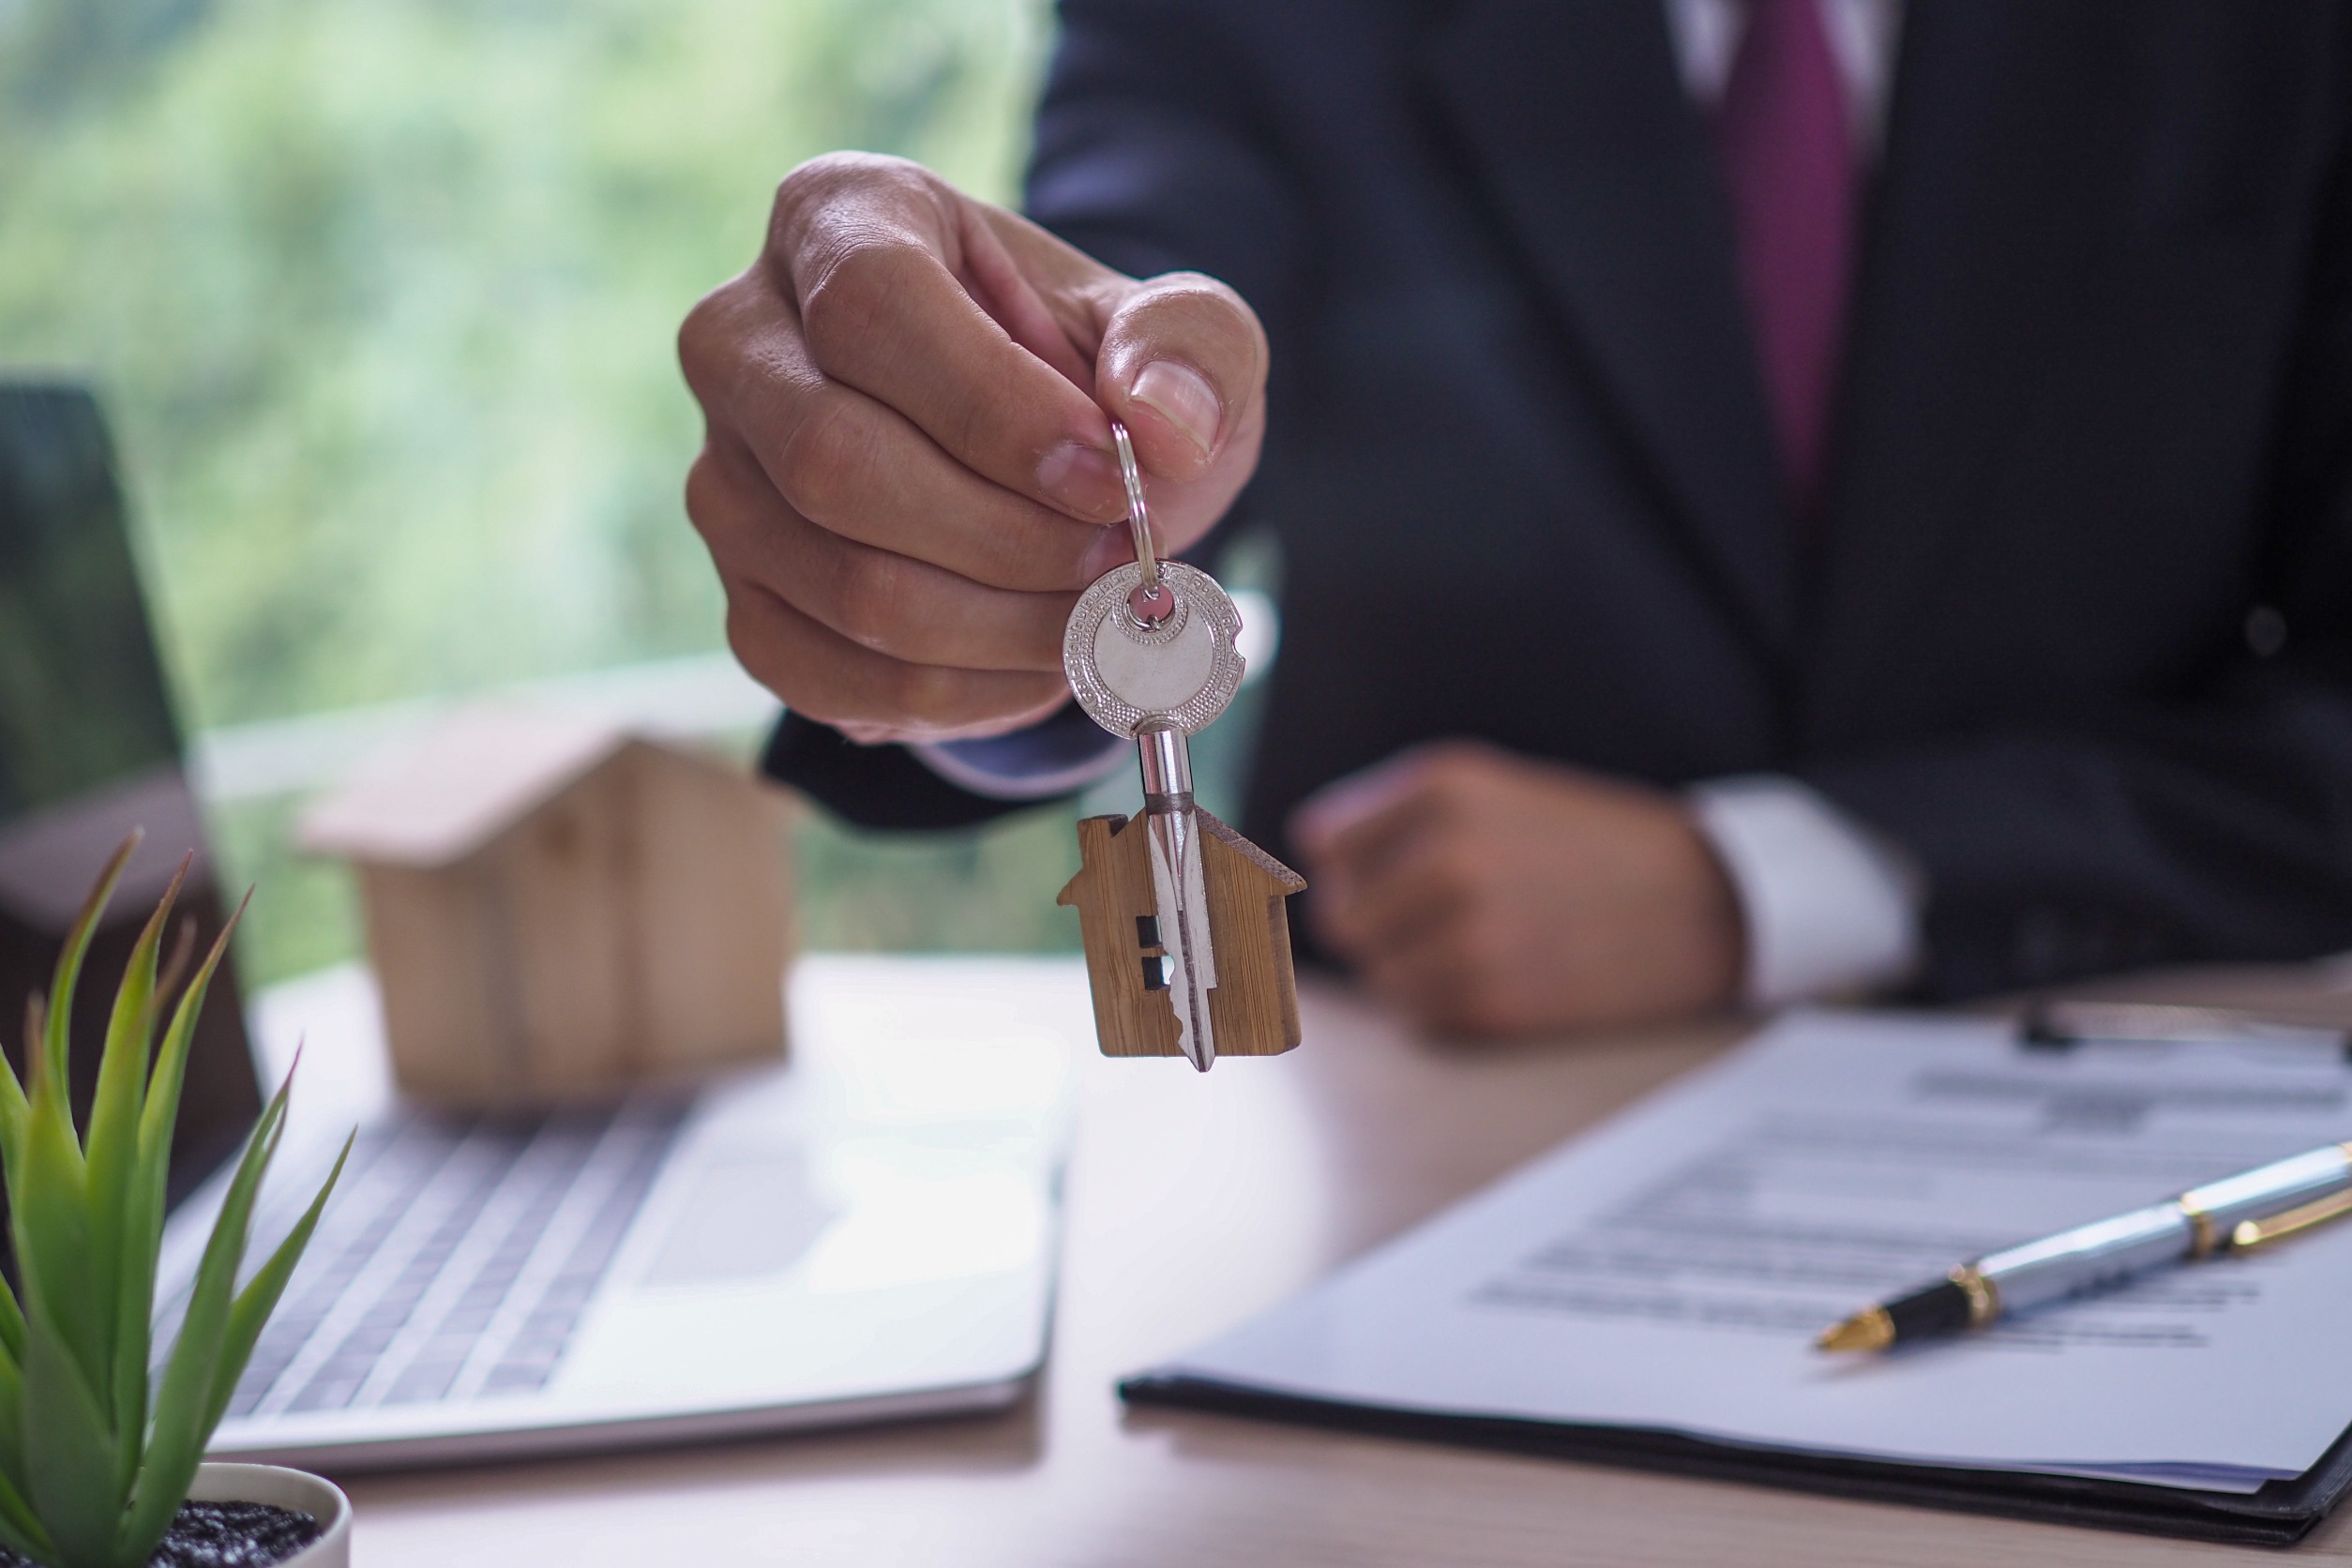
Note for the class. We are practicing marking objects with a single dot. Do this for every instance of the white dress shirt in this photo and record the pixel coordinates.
(1862, 35)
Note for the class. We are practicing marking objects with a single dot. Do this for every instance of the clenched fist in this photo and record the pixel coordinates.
(907, 472)
(1485, 893)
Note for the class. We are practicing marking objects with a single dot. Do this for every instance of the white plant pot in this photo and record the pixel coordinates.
(280, 1487)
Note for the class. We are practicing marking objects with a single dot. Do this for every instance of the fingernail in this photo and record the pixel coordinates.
(1083, 478)
(1113, 547)
(1182, 396)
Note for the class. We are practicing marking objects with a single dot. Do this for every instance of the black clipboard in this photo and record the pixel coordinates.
(2279, 1514)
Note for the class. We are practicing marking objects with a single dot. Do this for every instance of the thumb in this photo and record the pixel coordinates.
(1182, 364)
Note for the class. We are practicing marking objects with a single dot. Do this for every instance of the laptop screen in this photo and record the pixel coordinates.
(89, 750)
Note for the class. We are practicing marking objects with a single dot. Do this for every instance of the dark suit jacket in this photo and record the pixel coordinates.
(2094, 453)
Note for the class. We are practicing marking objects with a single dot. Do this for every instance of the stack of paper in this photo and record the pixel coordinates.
(1669, 1273)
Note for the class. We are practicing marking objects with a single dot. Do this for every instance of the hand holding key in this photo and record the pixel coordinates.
(906, 475)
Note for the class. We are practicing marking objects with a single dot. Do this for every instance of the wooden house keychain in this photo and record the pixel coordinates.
(1187, 941)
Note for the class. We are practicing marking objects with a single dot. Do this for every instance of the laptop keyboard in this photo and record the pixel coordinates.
(454, 1260)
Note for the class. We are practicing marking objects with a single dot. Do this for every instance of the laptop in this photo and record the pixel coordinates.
(867, 1232)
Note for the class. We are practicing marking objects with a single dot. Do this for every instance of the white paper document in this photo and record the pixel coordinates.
(1670, 1271)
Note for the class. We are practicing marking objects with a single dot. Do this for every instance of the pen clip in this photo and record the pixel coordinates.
(2255, 1232)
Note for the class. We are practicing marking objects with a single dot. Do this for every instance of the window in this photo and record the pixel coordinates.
(380, 297)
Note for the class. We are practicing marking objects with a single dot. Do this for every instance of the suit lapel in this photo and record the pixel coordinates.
(1575, 124)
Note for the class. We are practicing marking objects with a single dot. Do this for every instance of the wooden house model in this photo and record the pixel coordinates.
(556, 908)
(1255, 1006)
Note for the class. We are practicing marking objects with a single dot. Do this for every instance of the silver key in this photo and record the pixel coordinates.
(1150, 652)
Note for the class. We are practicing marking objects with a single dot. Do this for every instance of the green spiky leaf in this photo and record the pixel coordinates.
(15, 1110)
(21, 1528)
(258, 1299)
(69, 1461)
(175, 1443)
(11, 1327)
(11, 1419)
(162, 1112)
(49, 1206)
(51, 1059)
(91, 1470)
(122, 1255)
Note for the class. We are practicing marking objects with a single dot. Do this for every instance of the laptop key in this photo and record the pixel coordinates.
(471, 1246)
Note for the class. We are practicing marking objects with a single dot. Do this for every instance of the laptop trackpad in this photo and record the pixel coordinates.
(748, 1216)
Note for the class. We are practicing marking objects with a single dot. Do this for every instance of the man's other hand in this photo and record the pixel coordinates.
(1484, 893)
(907, 472)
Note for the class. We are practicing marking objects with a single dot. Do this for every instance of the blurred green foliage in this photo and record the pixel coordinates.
(381, 296)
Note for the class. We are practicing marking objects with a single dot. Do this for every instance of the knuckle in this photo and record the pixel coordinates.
(825, 453)
(740, 641)
(1205, 304)
(1454, 877)
(750, 637)
(1473, 999)
(808, 687)
(706, 335)
(702, 487)
(869, 596)
(808, 183)
(1479, 1012)
(694, 335)
(929, 695)
(851, 296)
(1481, 955)
(1455, 767)
(1444, 1004)
(820, 181)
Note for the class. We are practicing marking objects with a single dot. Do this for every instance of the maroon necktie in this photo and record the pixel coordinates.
(1789, 165)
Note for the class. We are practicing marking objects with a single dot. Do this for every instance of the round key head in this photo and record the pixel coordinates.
(1134, 660)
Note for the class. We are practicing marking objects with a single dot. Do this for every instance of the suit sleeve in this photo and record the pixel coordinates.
(1148, 158)
(2216, 825)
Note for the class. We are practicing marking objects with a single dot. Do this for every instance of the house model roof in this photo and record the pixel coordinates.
(436, 797)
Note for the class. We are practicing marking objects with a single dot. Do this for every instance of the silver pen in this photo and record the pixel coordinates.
(2234, 1215)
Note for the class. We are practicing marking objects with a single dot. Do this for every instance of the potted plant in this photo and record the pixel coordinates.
(99, 1455)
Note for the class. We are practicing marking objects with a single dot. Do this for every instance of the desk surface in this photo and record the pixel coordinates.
(1195, 1202)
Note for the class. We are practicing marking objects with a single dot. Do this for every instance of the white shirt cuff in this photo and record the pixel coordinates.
(1831, 907)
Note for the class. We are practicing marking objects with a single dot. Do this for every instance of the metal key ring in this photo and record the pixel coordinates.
(1139, 516)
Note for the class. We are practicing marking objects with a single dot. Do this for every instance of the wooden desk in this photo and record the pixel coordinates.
(1193, 1204)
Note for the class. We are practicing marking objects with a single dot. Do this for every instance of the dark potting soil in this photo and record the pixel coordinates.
(221, 1535)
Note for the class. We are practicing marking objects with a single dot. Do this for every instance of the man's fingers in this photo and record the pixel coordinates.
(865, 473)
(846, 461)
(870, 248)
(852, 464)
(822, 674)
(1427, 886)
(1440, 986)
(1364, 818)
(1183, 363)
(889, 603)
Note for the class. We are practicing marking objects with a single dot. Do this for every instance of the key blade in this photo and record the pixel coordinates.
(1199, 945)
(1184, 930)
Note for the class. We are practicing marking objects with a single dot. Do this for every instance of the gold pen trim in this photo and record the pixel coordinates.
(1984, 1297)
(2202, 1239)
(2254, 1232)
